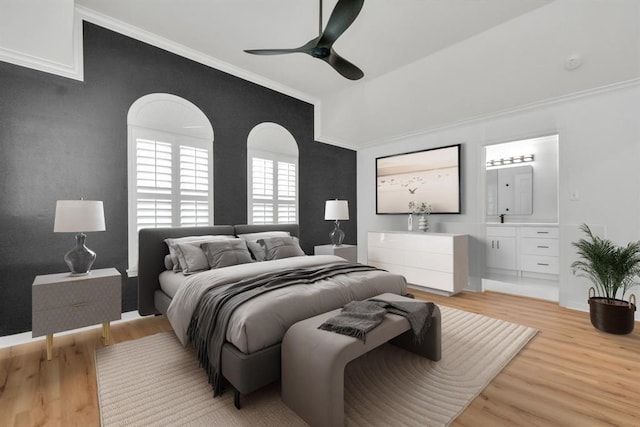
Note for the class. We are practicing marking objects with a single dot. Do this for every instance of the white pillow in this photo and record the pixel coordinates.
(252, 242)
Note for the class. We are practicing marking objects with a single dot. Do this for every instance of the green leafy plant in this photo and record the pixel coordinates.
(420, 208)
(611, 268)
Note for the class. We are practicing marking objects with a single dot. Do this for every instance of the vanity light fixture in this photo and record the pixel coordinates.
(510, 160)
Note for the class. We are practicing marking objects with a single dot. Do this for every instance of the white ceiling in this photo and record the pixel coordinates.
(393, 41)
(385, 36)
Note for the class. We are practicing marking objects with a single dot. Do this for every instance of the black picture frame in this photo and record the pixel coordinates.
(431, 175)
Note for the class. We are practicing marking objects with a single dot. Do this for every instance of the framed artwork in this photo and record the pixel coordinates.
(431, 176)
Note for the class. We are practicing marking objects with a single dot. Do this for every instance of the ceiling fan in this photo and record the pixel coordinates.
(321, 47)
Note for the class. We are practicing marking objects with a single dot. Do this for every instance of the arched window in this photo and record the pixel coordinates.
(273, 175)
(170, 165)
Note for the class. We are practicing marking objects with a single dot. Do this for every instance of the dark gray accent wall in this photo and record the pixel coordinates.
(65, 139)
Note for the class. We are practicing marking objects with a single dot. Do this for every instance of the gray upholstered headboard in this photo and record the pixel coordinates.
(152, 250)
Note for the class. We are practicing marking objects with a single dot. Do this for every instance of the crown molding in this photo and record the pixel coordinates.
(506, 112)
(74, 71)
(153, 39)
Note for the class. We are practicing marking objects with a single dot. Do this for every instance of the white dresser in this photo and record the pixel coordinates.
(436, 261)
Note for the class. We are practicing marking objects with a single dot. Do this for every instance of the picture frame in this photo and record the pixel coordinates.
(431, 176)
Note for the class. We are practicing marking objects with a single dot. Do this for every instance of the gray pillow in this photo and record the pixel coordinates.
(172, 242)
(192, 258)
(224, 253)
(281, 247)
(257, 251)
(168, 262)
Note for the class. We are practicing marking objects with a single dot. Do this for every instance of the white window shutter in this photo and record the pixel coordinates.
(158, 203)
(273, 190)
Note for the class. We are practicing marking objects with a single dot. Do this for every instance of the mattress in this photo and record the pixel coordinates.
(263, 321)
(170, 282)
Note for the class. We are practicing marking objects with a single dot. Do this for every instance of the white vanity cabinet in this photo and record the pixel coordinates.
(523, 249)
(501, 248)
(432, 260)
(539, 249)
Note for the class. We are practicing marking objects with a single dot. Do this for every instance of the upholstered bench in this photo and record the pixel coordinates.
(313, 360)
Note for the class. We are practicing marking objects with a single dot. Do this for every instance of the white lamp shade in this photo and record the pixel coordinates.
(336, 210)
(77, 216)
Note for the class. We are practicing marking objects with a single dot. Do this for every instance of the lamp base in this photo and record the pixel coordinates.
(80, 258)
(336, 235)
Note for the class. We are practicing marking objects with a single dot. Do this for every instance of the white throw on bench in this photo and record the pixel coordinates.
(313, 360)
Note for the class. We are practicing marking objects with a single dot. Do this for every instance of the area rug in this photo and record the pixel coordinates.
(154, 381)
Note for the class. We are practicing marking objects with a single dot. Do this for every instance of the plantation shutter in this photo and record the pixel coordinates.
(172, 185)
(153, 183)
(273, 191)
(287, 193)
(194, 186)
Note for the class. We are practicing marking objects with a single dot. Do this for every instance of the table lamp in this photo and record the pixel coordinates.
(336, 210)
(79, 216)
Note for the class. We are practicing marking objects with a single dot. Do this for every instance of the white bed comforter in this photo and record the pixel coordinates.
(263, 321)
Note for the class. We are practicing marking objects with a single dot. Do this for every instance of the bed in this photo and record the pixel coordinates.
(251, 359)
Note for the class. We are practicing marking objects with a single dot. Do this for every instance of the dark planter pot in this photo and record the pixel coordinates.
(612, 316)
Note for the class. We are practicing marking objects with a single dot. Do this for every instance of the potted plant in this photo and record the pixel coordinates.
(423, 209)
(613, 270)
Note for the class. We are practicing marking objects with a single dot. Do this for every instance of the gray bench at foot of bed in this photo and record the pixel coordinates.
(313, 361)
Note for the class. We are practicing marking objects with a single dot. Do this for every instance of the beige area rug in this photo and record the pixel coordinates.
(155, 381)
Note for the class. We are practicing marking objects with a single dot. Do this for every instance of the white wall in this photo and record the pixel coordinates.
(42, 34)
(518, 62)
(599, 158)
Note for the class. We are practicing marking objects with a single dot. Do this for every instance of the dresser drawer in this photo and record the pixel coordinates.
(74, 315)
(540, 264)
(536, 246)
(541, 232)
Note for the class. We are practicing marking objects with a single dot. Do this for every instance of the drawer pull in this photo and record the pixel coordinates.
(542, 263)
(543, 247)
(79, 304)
(542, 232)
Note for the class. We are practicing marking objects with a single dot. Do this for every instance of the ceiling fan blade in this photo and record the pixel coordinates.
(273, 51)
(306, 48)
(341, 18)
(344, 67)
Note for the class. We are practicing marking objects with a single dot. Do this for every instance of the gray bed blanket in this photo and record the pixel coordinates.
(357, 318)
(209, 321)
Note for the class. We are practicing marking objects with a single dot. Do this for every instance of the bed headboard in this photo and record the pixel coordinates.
(152, 250)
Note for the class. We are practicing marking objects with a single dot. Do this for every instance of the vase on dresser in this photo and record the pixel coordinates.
(410, 222)
(423, 224)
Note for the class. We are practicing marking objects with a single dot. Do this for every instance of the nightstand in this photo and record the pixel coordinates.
(348, 252)
(61, 302)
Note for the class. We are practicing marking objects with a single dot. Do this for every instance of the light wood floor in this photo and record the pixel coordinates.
(569, 374)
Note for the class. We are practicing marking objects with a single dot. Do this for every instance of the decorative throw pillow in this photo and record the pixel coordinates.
(168, 262)
(281, 247)
(171, 243)
(226, 252)
(192, 258)
(257, 251)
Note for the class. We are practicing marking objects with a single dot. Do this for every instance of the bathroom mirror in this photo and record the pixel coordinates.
(510, 191)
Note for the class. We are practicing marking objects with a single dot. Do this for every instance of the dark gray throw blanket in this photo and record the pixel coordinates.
(358, 318)
(208, 327)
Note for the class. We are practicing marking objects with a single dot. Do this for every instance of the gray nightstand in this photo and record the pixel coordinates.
(61, 302)
(348, 252)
